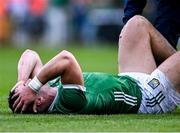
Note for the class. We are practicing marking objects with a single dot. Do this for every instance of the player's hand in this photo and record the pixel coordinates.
(18, 86)
(25, 97)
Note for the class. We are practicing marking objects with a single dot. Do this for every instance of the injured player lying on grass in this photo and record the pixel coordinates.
(148, 79)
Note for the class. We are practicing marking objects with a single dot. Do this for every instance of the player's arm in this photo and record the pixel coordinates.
(64, 65)
(29, 64)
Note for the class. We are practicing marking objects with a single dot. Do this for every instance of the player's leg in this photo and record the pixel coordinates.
(139, 45)
(171, 69)
(163, 85)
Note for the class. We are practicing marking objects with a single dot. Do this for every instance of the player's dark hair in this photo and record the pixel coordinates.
(11, 100)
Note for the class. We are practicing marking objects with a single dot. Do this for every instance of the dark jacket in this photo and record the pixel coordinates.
(167, 19)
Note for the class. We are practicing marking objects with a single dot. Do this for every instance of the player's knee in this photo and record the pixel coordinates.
(138, 19)
(134, 29)
(138, 22)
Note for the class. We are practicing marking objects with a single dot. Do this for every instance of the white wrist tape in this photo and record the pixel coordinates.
(35, 84)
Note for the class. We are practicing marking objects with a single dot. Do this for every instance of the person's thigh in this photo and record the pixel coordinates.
(171, 68)
(142, 47)
(135, 54)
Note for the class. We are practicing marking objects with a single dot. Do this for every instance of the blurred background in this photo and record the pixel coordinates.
(59, 23)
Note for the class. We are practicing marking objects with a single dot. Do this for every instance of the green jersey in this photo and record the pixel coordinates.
(103, 94)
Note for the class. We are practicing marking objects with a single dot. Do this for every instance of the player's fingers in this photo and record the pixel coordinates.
(16, 102)
(15, 95)
(16, 85)
(24, 108)
(34, 108)
(18, 107)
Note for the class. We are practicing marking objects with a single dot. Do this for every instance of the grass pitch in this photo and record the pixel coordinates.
(91, 59)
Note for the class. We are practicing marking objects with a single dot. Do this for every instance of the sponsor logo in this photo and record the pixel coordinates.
(154, 83)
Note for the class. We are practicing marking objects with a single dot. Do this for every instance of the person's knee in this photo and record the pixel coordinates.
(135, 30)
(138, 19)
(138, 22)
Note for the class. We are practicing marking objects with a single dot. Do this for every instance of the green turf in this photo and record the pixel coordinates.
(91, 59)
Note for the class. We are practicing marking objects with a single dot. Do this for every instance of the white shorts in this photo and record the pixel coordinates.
(158, 93)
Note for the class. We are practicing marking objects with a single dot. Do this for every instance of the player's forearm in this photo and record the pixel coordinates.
(26, 65)
(64, 65)
(50, 71)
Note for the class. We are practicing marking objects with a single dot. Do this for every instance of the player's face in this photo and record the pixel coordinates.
(42, 101)
(41, 104)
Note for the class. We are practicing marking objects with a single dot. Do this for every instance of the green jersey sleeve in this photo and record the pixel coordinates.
(69, 100)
